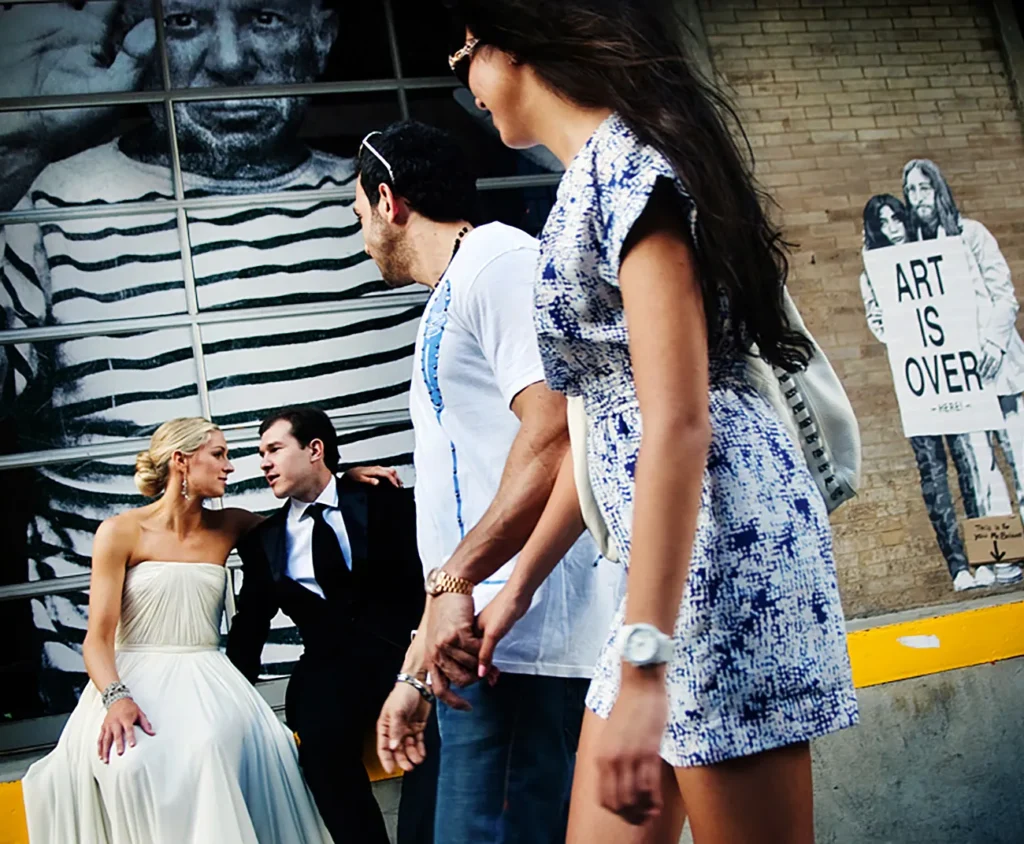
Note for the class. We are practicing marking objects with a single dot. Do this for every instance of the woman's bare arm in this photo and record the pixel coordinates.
(111, 551)
(112, 548)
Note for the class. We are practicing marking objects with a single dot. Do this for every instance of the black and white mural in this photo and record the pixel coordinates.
(938, 293)
(134, 290)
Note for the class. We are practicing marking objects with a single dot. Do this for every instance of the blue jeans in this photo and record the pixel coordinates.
(506, 767)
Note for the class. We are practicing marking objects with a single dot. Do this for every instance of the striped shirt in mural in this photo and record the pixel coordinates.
(102, 388)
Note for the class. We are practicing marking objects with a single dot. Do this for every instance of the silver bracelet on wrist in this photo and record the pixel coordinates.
(422, 688)
(114, 692)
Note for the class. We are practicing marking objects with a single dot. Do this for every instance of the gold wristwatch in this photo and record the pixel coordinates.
(439, 581)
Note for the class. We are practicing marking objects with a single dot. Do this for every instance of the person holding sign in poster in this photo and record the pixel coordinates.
(946, 356)
(934, 216)
(885, 224)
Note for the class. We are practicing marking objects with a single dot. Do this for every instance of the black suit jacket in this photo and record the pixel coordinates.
(375, 614)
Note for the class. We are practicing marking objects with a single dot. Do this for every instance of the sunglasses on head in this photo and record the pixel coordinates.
(367, 145)
(461, 59)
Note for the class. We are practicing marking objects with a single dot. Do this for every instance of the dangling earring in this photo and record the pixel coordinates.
(184, 489)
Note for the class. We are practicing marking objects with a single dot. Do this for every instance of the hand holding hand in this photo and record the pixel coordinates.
(452, 645)
(400, 728)
(118, 727)
(373, 475)
(628, 754)
(497, 618)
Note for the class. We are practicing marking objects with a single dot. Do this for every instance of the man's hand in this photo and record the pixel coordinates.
(373, 475)
(452, 646)
(400, 729)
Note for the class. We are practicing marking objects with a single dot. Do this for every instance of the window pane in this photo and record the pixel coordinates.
(525, 208)
(68, 158)
(50, 516)
(455, 110)
(277, 143)
(57, 49)
(19, 662)
(347, 362)
(103, 388)
(241, 43)
(83, 270)
(289, 252)
(426, 37)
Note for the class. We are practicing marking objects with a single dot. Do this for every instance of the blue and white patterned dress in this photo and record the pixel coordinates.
(760, 656)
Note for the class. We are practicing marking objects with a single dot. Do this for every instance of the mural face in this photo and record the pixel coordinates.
(937, 291)
(122, 311)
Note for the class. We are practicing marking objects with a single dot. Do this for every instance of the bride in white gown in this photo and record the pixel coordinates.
(185, 751)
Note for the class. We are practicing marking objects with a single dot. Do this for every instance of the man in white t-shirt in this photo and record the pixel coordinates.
(490, 437)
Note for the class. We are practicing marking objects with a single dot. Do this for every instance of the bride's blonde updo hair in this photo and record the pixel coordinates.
(153, 465)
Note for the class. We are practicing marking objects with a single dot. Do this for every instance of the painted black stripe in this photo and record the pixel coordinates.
(349, 437)
(57, 202)
(110, 231)
(27, 270)
(124, 295)
(403, 459)
(92, 470)
(291, 374)
(365, 289)
(39, 551)
(296, 338)
(112, 263)
(199, 193)
(349, 400)
(322, 233)
(71, 374)
(30, 320)
(87, 408)
(251, 214)
(17, 360)
(263, 270)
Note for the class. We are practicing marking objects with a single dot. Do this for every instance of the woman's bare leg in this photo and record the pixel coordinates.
(762, 799)
(590, 823)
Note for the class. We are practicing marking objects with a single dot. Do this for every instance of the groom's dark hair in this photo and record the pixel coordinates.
(308, 423)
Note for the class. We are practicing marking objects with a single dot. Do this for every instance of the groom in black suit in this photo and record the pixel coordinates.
(340, 560)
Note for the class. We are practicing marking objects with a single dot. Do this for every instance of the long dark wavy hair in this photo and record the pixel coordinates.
(874, 237)
(626, 55)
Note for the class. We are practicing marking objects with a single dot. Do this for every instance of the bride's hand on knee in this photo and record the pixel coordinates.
(628, 753)
(118, 729)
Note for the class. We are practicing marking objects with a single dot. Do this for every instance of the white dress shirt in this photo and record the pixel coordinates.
(300, 536)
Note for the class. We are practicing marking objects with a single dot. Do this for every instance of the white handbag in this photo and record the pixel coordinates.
(813, 406)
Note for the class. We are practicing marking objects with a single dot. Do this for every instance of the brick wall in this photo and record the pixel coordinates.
(836, 96)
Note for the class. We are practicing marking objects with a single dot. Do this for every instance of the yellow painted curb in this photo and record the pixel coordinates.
(941, 643)
(12, 814)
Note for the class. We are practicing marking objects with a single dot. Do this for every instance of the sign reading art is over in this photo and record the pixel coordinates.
(927, 299)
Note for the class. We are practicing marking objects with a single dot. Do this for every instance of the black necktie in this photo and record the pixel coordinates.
(329, 567)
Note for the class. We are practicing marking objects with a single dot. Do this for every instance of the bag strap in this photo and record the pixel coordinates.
(816, 450)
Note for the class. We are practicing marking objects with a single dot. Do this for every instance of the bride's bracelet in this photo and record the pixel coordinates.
(422, 688)
(114, 692)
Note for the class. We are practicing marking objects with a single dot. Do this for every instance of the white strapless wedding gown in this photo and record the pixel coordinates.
(221, 769)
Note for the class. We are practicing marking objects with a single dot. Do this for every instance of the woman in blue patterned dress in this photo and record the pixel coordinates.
(659, 271)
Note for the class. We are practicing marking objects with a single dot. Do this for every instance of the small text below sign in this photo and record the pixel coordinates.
(994, 539)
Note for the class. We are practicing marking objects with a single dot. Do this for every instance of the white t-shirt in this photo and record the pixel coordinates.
(475, 351)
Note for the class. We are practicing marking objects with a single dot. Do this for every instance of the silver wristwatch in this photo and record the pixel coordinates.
(643, 645)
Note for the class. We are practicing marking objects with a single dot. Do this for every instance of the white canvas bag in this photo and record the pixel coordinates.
(813, 406)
